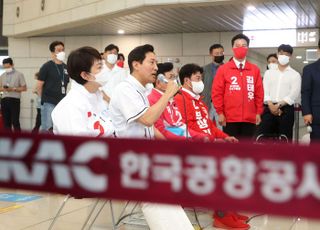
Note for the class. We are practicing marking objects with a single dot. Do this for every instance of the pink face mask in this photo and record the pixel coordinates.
(240, 52)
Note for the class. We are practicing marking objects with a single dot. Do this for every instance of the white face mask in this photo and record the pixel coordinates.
(8, 70)
(197, 86)
(61, 56)
(112, 58)
(273, 66)
(283, 59)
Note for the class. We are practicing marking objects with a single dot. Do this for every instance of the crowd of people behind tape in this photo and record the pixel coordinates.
(222, 101)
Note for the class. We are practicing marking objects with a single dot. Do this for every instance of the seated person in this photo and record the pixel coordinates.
(193, 110)
(195, 113)
(83, 111)
(170, 123)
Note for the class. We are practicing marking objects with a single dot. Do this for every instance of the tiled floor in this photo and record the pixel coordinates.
(38, 215)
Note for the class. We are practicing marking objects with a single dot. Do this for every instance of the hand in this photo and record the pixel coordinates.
(222, 120)
(274, 109)
(9, 89)
(258, 119)
(231, 139)
(172, 88)
(308, 119)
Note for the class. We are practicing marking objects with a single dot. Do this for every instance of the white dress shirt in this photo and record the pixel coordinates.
(282, 86)
(238, 63)
(110, 78)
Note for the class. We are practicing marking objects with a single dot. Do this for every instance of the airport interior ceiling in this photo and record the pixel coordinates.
(255, 15)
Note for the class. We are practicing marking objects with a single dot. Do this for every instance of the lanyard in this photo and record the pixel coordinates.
(60, 75)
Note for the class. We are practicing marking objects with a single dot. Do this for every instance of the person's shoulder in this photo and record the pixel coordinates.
(18, 73)
(312, 66)
(293, 71)
(227, 65)
(123, 87)
(48, 63)
(122, 71)
(207, 66)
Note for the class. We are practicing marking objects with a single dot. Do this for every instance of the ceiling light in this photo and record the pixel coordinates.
(305, 62)
(251, 8)
(298, 57)
(120, 31)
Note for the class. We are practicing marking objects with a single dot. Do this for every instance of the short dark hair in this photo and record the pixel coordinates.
(215, 46)
(7, 61)
(240, 36)
(187, 70)
(111, 47)
(164, 67)
(80, 60)
(52, 46)
(139, 54)
(319, 43)
(285, 48)
(121, 55)
(272, 55)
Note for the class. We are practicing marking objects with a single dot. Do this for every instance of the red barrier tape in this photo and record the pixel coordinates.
(275, 179)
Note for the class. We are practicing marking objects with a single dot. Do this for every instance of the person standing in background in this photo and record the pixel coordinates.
(121, 60)
(310, 97)
(272, 61)
(111, 74)
(52, 83)
(237, 92)
(281, 90)
(216, 52)
(38, 104)
(12, 83)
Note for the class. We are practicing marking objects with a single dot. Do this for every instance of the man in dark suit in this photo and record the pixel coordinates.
(310, 97)
(216, 52)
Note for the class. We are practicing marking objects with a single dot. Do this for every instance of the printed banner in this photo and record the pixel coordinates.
(279, 179)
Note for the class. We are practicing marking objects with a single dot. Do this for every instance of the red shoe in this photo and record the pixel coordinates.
(229, 221)
(241, 217)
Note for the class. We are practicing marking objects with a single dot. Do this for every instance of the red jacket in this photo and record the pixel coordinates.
(171, 117)
(238, 95)
(195, 112)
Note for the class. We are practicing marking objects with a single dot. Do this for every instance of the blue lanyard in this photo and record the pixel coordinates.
(62, 76)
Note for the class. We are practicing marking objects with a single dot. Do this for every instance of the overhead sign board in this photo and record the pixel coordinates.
(274, 38)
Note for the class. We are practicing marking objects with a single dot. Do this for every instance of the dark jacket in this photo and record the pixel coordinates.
(310, 91)
(209, 72)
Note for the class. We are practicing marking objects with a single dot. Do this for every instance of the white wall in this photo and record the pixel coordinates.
(30, 53)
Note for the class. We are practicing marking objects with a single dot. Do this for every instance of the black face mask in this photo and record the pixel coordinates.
(219, 59)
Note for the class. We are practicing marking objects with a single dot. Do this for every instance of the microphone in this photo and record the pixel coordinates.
(163, 79)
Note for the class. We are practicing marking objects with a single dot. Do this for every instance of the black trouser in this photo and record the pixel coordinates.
(38, 121)
(240, 129)
(315, 134)
(277, 125)
(10, 108)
